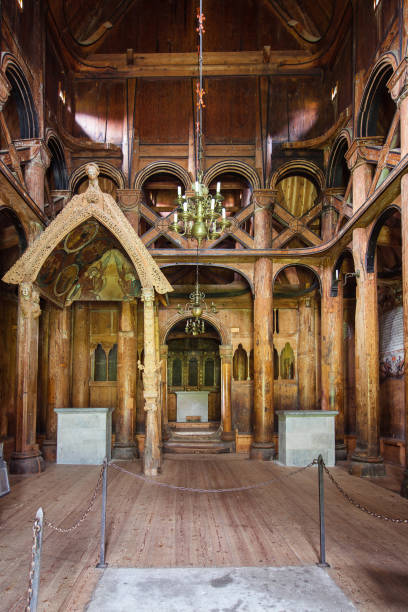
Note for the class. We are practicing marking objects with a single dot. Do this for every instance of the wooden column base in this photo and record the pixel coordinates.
(49, 450)
(262, 451)
(228, 436)
(340, 451)
(367, 467)
(26, 462)
(125, 451)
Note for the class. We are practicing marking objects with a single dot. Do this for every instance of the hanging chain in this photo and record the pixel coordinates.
(360, 506)
(36, 530)
(85, 514)
(193, 490)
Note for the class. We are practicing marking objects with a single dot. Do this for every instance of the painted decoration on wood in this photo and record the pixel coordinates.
(89, 264)
(392, 343)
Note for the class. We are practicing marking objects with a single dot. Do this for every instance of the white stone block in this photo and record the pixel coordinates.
(84, 435)
(305, 434)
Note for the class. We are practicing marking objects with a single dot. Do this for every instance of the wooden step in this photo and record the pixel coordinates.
(196, 447)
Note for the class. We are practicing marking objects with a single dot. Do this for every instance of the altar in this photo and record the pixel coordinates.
(192, 404)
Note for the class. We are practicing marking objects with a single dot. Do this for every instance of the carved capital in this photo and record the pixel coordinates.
(164, 351)
(264, 199)
(148, 295)
(40, 156)
(357, 153)
(130, 199)
(29, 301)
(226, 352)
(398, 83)
(5, 89)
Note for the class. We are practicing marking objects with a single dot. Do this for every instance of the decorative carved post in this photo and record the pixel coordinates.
(58, 375)
(366, 460)
(307, 355)
(329, 212)
(226, 381)
(263, 447)
(164, 352)
(35, 173)
(130, 200)
(332, 372)
(27, 457)
(81, 356)
(152, 451)
(125, 446)
(357, 160)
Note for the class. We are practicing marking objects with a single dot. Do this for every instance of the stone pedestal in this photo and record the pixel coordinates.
(84, 435)
(306, 434)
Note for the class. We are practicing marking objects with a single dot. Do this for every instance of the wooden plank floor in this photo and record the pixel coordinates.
(151, 526)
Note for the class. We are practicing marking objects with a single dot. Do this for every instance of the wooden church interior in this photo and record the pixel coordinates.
(305, 127)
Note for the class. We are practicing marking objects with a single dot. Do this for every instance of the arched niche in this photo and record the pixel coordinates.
(338, 173)
(166, 167)
(236, 168)
(377, 108)
(240, 364)
(287, 363)
(57, 175)
(19, 112)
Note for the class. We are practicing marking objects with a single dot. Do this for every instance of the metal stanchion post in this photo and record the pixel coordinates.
(322, 559)
(102, 563)
(36, 562)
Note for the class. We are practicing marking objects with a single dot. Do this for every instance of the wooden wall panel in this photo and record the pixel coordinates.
(99, 110)
(165, 27)
(163, 110)
(231, 110)
(299, 108)
(8, 344)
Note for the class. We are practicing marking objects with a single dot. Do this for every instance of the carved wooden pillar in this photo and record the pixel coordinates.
(152, 451)
(366, 460)
(307, 355)
(80, 356)
(35, 173)
(125, 446)
(164, 352)
(263, 447)
(58, 375)
(226, 382)
(27, 457)
(129, 201)
(329, 213)
(404, 233)
(332, 360)
(159, 386)
(357, 160)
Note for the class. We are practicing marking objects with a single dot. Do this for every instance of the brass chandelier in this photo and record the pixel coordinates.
(200, 216)
(195, 307)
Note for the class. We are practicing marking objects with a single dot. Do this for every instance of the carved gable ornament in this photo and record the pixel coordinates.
(93, 203)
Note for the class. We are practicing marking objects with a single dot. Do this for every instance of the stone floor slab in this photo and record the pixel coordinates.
(223, 589)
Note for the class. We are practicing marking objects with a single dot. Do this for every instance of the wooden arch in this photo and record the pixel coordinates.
(58, 161)
(105, 168)
(375, 232)
(311, 268)
(27, 113)
(301, 167)
(340, 146)
(235, 166)
(93, 203)
(222, 332)
(163, 166)
(380, 75)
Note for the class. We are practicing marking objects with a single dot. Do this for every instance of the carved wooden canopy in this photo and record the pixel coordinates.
(92, 204)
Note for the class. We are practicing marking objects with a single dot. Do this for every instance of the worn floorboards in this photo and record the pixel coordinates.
(151, 526)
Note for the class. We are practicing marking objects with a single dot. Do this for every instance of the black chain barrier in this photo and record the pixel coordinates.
(32, 596)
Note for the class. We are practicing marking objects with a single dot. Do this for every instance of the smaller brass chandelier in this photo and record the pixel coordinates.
(195, 307)
(202, 215)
